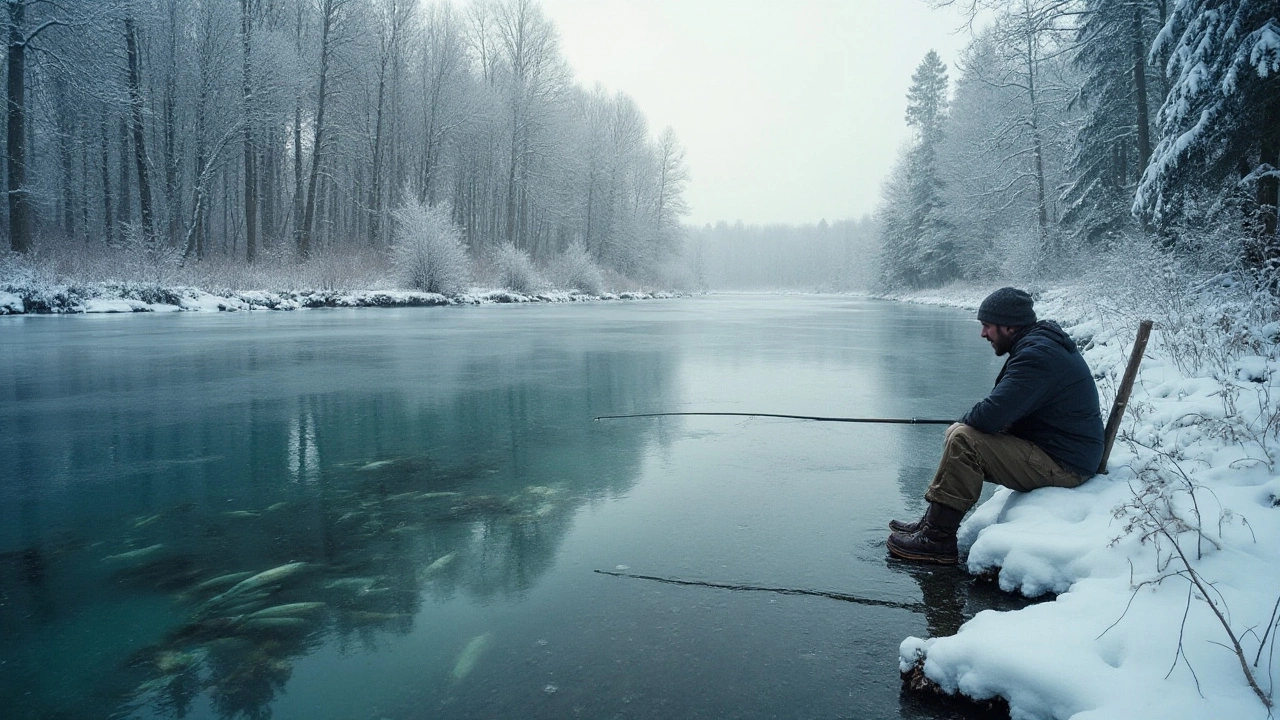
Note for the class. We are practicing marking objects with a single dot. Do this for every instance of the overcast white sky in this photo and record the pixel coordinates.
(790, 110)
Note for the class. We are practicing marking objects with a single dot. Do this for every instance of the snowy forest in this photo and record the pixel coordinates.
(240, 142)
(1074, 127)
(826, 257)
(339, 144)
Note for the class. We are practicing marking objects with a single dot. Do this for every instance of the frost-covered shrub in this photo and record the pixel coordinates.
(275, 268)
(1020, 252)
(1206, 318)
(145, 292)
(42, 289)
(575, 269)
(340, 269)
(148, 262)
(514, 269)
(428, 251)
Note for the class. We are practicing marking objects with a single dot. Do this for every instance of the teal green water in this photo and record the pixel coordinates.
(398, 513)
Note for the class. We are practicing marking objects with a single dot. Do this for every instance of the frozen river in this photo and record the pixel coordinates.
(399, 513)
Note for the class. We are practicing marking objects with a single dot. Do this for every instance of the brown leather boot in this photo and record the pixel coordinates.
(934, 541)
(905, 528)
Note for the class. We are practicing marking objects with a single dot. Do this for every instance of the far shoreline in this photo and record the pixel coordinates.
(132, 298)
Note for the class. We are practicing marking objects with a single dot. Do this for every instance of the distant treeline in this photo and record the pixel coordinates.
(1079, 125)
(295, 128)
(823, 257)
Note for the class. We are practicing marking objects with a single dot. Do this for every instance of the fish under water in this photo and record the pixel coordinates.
(470, 656)
(262, 579)
(375, 465)
(355, 584)
(440, 564)
(222, 581)
(286, 610)
(244, 604)
(144, 521)
(274, 624)
(134, 555)
(400, 497)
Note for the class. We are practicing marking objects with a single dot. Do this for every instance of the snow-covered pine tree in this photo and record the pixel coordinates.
(927, 100)
(1117, 92)
(918, 250)
(899, 248)
(1220, 124)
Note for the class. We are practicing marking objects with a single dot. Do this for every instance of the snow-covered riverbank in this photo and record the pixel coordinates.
(124, 298)
(1166, 570)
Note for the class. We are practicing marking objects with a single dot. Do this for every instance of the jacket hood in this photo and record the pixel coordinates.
(1048, 331)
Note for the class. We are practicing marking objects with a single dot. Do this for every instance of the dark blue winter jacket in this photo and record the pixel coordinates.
(1046, 394)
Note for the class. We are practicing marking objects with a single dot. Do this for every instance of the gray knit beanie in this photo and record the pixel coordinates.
(1007, 306)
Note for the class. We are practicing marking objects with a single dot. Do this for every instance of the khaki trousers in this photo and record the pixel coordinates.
(969, 457)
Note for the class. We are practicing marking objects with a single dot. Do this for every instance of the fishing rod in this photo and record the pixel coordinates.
(897, 421)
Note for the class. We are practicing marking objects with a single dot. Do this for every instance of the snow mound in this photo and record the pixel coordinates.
(1137, 624)
(11, 304)
(116, 305)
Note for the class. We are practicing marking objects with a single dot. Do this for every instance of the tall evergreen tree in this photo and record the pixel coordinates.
(927, 100)
(1113, 142)
(1220, 124)
(918, 250)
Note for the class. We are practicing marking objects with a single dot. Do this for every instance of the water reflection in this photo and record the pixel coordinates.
(198, 551)
(215, 530)
(952, 597)
(303, 457)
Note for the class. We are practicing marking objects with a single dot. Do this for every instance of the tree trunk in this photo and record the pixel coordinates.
(226, 213)
(250, 159)
(195, 233)
(139, 136)
(297, 147)
(172, 192)
(1037, 144)
(269, 187)
(1269, 186)
(124, 210)
(395, 170)
(308, 213)
(591, 200)
(513, 183)
(66, 131)
(375, 192)
(19, 199)
(108, 222)
(298, 195)
(85, 185)
(1138, 46)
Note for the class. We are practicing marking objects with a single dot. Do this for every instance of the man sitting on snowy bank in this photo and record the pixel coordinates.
(1039, 427)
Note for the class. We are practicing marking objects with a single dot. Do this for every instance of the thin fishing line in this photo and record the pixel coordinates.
(899, 421)
(845, 597)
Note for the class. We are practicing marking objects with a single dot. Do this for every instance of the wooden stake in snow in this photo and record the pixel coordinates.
(1122, 394)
